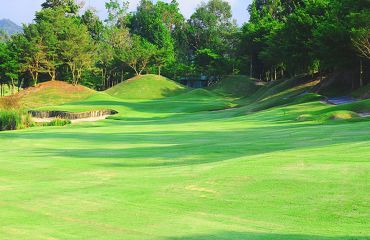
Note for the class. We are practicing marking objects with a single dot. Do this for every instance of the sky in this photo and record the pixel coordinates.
(23, 11)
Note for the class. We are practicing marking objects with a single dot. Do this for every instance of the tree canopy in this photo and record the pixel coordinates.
(283, 38)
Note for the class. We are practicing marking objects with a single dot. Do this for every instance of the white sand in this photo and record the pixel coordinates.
(91, 119)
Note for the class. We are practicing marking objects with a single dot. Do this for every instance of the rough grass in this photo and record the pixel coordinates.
(52, 93)
(14, 119)
(146, 87)
(172, 169)
(59, 122)
(10, 102)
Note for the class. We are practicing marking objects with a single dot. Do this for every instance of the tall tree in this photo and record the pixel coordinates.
(9, 66)
(138, 54)
(94, 24)
(149, 23)
(69, 6)
(33, 51)
(212, 27)
(76, 48)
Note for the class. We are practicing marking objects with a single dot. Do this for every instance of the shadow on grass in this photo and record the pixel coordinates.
(265, 236)
(179, 148)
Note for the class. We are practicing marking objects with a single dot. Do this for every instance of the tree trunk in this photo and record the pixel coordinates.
(159, 70)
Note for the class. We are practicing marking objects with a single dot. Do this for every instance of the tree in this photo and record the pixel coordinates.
(68, 6)
(76, 48)
(33, 50)
(212, 28)
(50, 24)
(94, 24)
(3, 36)
(117, 12)
(138, 54)
(360, 36)
(154, 23)
(9, 66)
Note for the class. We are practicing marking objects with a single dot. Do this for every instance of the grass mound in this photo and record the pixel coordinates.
(341, 115)
(238, 86)
(282, 92)
(358, 107)
(198, 93)
(309, 97)
(146, 87)
(52, 93)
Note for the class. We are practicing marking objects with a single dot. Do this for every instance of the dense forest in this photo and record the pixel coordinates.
(283, 38)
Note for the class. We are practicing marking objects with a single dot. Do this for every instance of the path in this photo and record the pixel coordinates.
(341, 100)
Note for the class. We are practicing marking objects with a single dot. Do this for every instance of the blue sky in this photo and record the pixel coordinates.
(22, 11)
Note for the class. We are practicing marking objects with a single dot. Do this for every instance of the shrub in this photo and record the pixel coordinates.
(59, 122)
(13, 120)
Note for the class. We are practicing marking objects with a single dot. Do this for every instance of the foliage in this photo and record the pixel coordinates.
(285, 38)
(212, 37)
(59, 122)
(282, 39)
(14, 119)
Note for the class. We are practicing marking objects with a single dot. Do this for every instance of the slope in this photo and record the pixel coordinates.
(52, 93)
(146, 87)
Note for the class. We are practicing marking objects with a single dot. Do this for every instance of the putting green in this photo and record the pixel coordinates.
(174, 169)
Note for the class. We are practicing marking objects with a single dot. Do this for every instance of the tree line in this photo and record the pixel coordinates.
(283, 38)
(288, 37)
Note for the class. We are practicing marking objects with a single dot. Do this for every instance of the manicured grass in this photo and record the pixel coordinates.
(171, 169)
(238, 85)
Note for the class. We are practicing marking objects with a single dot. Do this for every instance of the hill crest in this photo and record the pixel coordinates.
(148, 86)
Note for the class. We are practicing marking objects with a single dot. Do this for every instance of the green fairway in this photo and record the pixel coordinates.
(174, 169)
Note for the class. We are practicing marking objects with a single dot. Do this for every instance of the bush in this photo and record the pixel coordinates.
(59, 122)
(13, 120)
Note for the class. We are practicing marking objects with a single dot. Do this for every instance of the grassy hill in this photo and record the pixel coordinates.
(52, 93)
(283, 165)
(146, 87)
(237, 86)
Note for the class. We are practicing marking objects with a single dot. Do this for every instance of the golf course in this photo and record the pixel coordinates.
(180, 163)
(185, 120)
